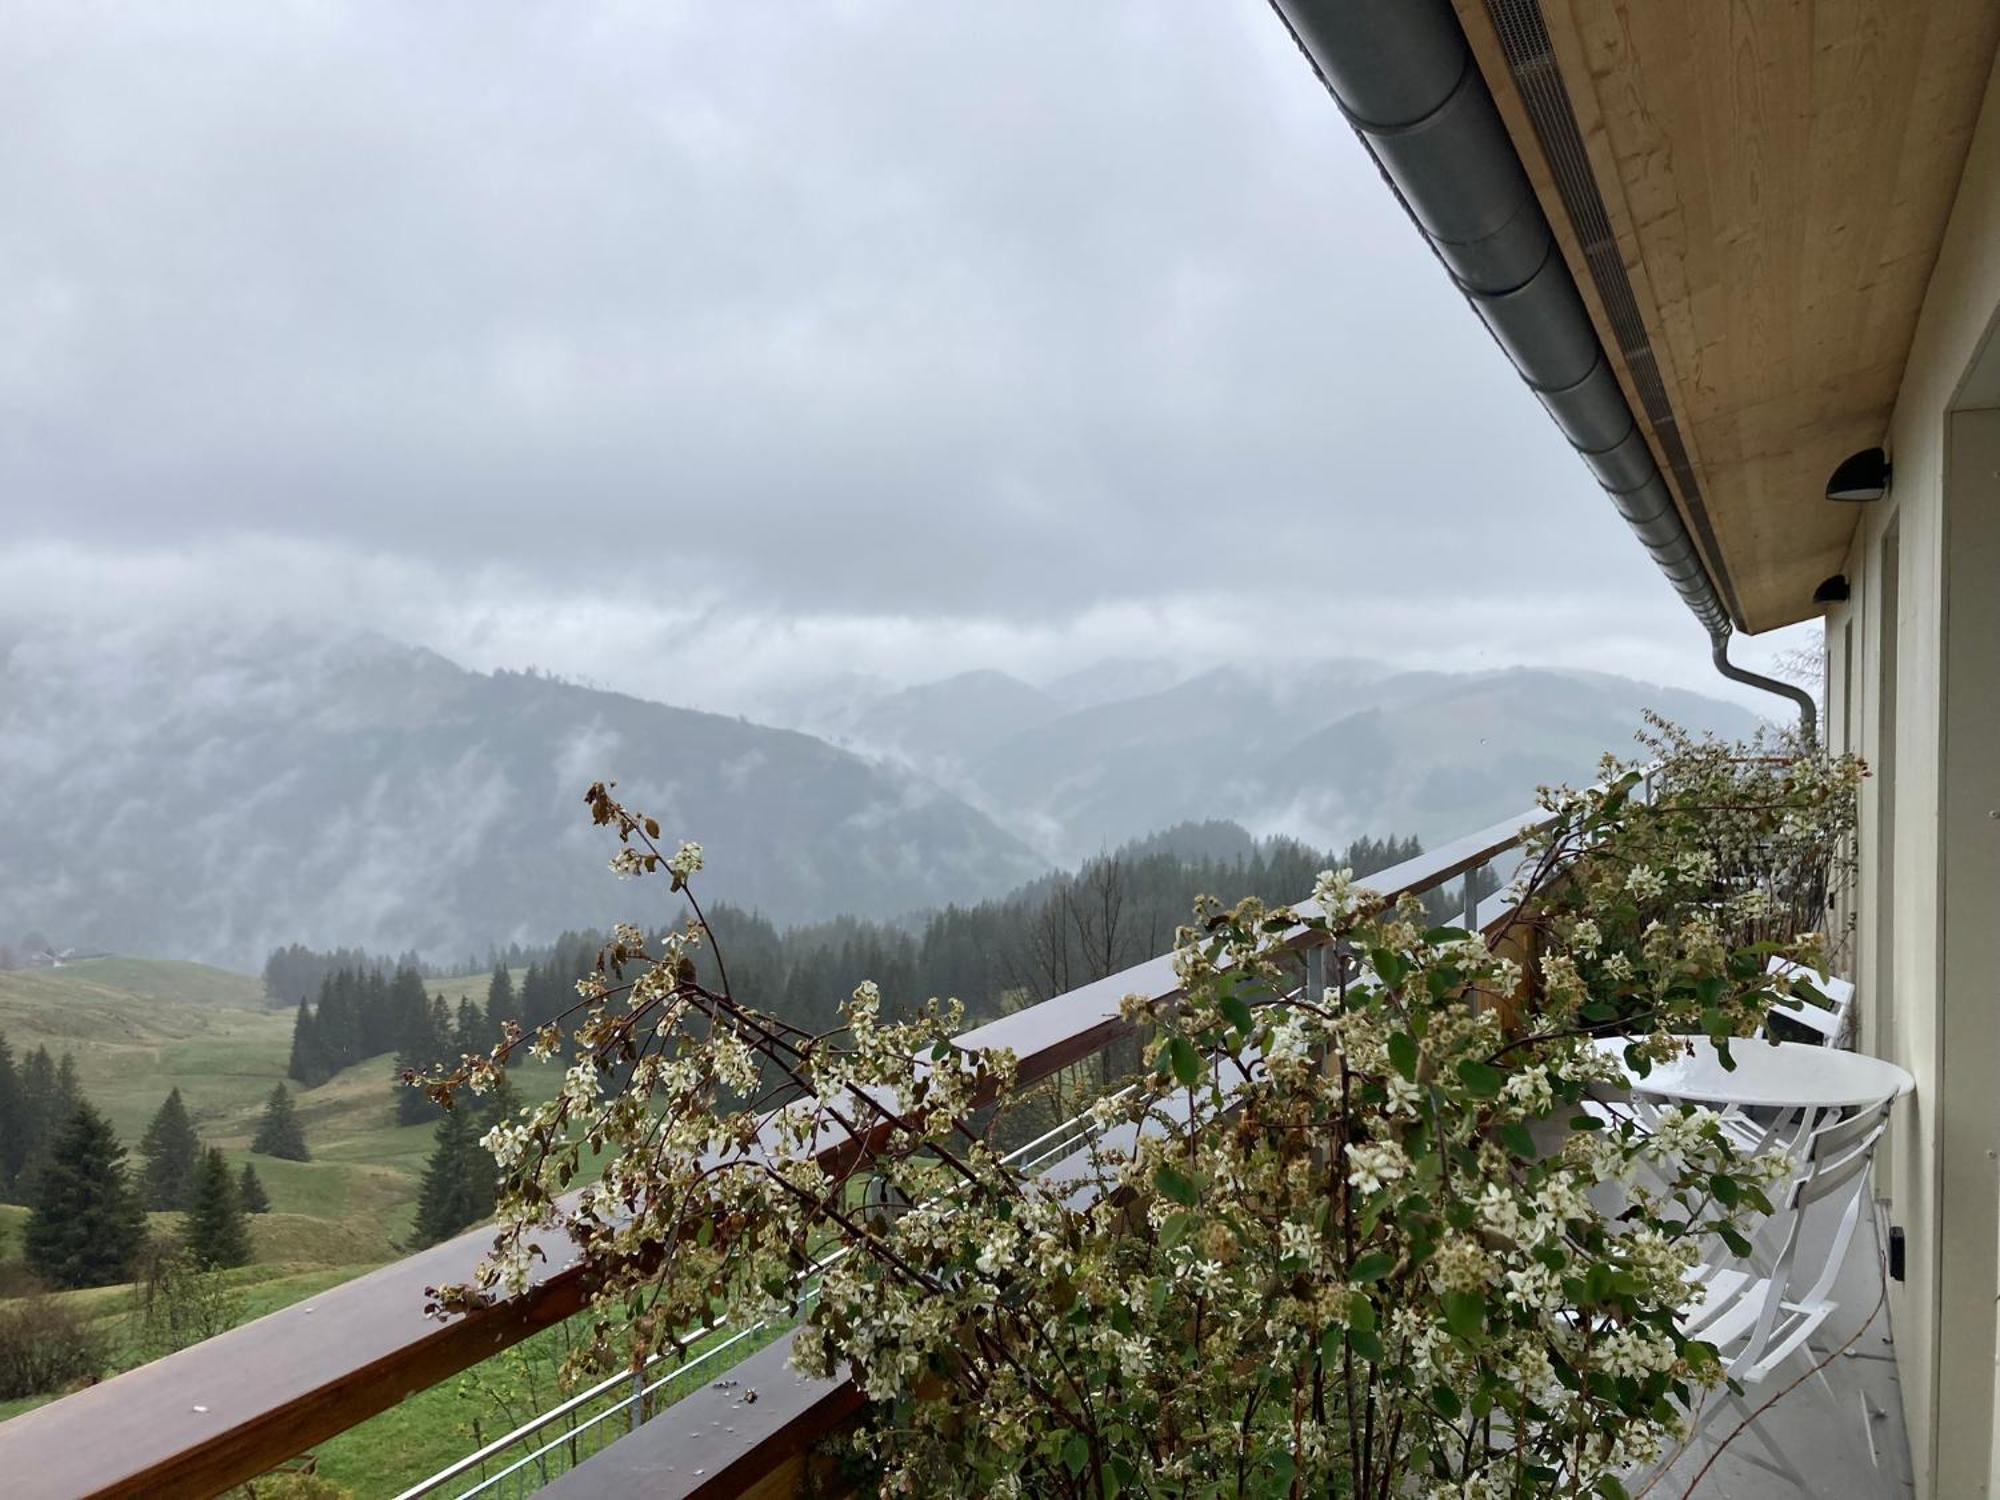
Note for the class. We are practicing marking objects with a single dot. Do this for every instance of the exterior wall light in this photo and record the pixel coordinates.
(1833, 591)
(1861, 477)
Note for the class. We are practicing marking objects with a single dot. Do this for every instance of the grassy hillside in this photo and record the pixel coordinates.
(139, 1028)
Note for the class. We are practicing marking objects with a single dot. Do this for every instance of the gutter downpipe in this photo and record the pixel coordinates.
(1403, 75)
(1808, 710)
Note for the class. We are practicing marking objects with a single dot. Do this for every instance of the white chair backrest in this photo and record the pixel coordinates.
(1835, 1168)
(1829, 1021)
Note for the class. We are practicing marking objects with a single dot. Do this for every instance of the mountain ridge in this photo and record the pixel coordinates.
(1312, 750)
(214, 793)
(213, 798)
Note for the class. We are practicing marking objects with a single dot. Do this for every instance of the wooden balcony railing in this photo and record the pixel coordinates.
(228, 1409)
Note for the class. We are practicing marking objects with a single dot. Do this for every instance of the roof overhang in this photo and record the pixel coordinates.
(1774, 182)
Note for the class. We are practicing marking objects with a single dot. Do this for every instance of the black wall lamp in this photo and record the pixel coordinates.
(1833, 591)
(1861, 477)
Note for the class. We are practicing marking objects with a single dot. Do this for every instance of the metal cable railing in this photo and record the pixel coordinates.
(562, 1437)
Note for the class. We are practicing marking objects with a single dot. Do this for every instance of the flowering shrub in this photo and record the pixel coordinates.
(1353, 1229)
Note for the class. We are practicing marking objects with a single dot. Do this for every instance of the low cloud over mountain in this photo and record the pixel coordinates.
(212, 792)
(1323, 752)
(209, 795)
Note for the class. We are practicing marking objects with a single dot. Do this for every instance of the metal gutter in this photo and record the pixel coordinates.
(1403, 74)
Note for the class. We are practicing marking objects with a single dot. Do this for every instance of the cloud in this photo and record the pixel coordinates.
(709, 349)
(709, 650)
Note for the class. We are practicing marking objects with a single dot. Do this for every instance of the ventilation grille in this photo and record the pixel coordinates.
(1524, 37)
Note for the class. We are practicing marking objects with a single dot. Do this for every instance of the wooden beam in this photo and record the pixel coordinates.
(1777, 175)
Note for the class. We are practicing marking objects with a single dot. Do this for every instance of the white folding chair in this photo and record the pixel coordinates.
(1786, 1129)
(1828, 1022)
(1757, 1318)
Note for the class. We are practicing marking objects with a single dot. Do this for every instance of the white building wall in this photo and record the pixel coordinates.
(1940, 1172)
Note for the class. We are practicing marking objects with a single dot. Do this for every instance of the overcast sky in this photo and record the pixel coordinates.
(707, 349)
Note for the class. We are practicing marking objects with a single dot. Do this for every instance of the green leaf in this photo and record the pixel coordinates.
(1175, 1229)
(1464, 1314)
(1481, 1080)
(1737, 1243)
(1238, 1013)
(1728, 1191)
(1372, 1267)
(1445, 1399)
(1175, 1186)
(1608, 1488)
(1075, 1453)
(1388, 965)
(1367, 1345)
(1187, 1062)
(1403, 1054)
(1515, 1137)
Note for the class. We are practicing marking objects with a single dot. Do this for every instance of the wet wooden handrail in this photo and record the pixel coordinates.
(235, 1406)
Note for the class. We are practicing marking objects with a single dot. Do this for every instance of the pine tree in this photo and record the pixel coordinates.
(469, 1030)
(410, 1011)
(217, 1235)
(533, 1003)
(87, 1226)
(338, 1022)
(250, 1188)
(308, 1064)
(279, 1132)
(500, 1005)
(172, 1151)
(458, 1188)
(426, 1040)
(13, 1124)
(461, 1180)
(378, 1017)
(413, 1105)
(69, 1093)
(40, 1119)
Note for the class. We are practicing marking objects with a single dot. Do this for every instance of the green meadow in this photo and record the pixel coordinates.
(139, 1028)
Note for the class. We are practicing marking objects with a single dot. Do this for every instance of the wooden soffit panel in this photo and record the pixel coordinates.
(1777, 175)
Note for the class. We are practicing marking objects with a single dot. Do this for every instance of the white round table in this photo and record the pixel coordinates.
(1767, 1075)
